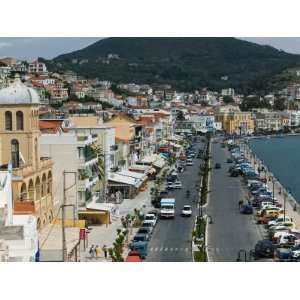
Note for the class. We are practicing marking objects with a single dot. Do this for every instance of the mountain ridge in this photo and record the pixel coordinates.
(186, 63)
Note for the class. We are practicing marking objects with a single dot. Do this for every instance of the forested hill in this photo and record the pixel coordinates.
(186, 63)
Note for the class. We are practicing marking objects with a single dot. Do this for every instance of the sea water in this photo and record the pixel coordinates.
(281, 155)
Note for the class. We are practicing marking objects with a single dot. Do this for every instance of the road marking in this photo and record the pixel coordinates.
(166, 249)
(171, 249)
(161, 249)
(176, 249)
(186, 249)
(151, 249)
(155, 249)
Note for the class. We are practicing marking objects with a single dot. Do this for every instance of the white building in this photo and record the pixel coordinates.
(74, 154)
(295, 118)
(228, 92)
(37, 67)
(18, 233)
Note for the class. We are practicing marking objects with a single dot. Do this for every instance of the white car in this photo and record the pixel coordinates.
(151, 218)
(148, 224)
(189, 163)
(186, 211)
(280, 219)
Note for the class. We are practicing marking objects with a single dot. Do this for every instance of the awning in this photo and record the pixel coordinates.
(99, 206)
(160, 163)
(136, 175)
(115, 177)
(149, 159)
(141, 168)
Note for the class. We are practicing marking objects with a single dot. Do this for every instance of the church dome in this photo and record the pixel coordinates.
(18, 93)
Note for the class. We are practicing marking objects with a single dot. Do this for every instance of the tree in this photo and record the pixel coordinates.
(228, 99)
(254, 102)
(279, 104)
(116, 252)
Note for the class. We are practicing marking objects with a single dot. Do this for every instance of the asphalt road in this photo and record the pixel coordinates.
(171, 240)
(230, 231)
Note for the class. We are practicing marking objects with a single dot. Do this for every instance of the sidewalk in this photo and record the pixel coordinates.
(105, 235)
(290, 201)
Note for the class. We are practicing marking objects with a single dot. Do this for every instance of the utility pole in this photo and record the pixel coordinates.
(63, 212)
(64, 243)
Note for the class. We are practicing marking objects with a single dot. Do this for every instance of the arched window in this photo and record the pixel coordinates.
(38, 189)
(8, 120)
(20, 120)
(44, 185)
(23, 194)
(15, 156)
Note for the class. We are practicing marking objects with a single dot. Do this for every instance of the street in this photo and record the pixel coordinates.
(230, 231)
(171, 240)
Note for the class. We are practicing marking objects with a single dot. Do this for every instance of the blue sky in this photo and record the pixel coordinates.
(30, 48)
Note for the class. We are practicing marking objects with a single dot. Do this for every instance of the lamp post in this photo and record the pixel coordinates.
(273, 192)
(284, 200)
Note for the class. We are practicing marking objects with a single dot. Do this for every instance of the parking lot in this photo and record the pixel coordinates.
(278, 238)
(231, 231)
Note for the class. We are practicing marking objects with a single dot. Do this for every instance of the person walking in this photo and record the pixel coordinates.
(97, 251)
(104, 249)
(92, 251)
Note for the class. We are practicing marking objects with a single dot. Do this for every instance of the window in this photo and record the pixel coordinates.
(8, 120)
(15, 156)
(20, 120)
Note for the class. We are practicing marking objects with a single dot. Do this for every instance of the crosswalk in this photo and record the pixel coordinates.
(168, 249)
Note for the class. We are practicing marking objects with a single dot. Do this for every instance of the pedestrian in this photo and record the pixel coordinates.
(92, 251)
(98, 251)
(105, 251)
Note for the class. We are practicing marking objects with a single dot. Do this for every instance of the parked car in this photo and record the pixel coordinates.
(229, 161)
(141, 247)
(186, 211)
(283, 254)
(148, 224)
(140, 238)
(264, 249)
(144, 231)
(217, 166)
(279, 219)
(152, 218)
(133, 256)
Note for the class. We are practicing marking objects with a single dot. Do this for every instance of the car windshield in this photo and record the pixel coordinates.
(167, 206)
(143, 230)
(187, 208)
(150, 218)
(146, 224)
(141, 238)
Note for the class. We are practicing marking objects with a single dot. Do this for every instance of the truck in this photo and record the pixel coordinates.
(167, 208)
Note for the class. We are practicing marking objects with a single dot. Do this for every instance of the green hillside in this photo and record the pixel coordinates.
(186, 63)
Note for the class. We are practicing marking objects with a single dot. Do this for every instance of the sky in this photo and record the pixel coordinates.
(30, 48)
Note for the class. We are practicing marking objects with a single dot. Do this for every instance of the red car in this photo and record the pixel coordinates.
(133, 256)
